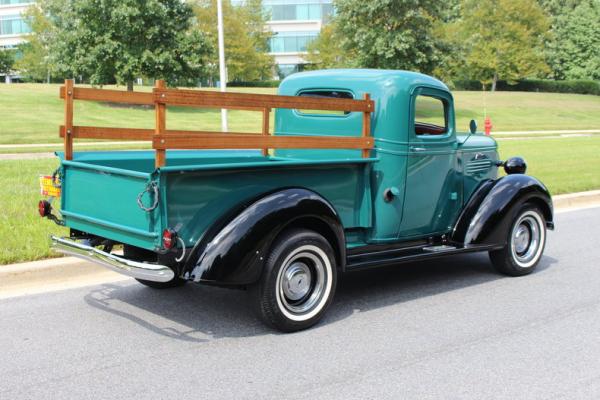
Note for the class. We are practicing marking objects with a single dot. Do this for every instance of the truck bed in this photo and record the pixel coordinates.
(100, 190)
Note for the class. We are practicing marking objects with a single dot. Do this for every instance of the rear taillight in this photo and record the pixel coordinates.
(169, 238)
(44, 208)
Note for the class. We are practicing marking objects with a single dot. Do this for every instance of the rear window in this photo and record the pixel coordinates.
(330, 94)
(430, 116)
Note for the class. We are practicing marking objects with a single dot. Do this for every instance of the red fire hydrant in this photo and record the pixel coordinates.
(487, 125)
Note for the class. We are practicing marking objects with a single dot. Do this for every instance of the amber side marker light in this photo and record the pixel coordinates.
(44, 208)
(169, 238)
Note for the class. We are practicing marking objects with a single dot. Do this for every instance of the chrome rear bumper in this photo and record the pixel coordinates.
(149, 272)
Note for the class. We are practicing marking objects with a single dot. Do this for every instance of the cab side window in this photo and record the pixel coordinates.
(328, 94)
(430, 116)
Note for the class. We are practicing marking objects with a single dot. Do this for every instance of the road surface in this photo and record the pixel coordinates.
(450, 329)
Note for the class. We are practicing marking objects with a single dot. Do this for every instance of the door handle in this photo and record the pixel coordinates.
(414, 148)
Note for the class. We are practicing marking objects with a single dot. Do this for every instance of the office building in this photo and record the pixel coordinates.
(13, 27)
(294, 23)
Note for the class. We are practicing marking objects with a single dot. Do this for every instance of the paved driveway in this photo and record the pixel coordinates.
(450, 329)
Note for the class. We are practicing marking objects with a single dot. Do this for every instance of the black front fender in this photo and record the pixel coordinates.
(236, 252)
(488, 215)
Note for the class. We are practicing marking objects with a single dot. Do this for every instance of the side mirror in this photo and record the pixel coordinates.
(473, 126)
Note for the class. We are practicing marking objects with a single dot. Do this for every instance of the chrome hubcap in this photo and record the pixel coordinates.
(303, 282)
(527, 239)
(296, 281)
(522, 238)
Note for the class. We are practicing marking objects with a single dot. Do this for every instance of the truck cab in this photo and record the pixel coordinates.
(426, 170)
(364, 168)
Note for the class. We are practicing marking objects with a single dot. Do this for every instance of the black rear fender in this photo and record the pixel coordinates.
(235, 252)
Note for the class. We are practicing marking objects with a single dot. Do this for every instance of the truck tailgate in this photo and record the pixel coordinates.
(102, 201)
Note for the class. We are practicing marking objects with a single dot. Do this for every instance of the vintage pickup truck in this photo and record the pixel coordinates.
(364, 168)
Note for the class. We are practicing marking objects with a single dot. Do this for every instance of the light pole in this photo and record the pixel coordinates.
(222, 66)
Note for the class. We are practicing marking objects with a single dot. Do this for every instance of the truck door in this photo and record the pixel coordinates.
(432, 194)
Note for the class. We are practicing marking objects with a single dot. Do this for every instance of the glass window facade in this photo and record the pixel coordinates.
(291, 42)
(299, 10)
(6, 2)
(284, 70)
(13, 25)
(283, 16)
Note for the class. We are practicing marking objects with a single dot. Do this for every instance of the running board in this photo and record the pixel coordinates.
(440, 248)
(370, 259)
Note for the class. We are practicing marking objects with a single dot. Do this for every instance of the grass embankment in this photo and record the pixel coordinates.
(23, 234)
(564, 165)
(31, 113)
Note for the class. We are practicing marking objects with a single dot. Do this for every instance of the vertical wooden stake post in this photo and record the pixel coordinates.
(68, 119)
(265, 127)
(366, 128)
(161, 125)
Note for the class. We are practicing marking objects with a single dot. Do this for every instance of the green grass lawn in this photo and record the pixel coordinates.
(520, 111)
(31, 113)
(23, 234)
(564, 165)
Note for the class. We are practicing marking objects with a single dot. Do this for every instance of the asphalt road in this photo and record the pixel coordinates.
(450, 329)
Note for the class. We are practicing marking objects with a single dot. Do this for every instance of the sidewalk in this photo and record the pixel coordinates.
(558, 132)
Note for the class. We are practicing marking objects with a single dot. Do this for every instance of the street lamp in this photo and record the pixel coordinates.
(222, 66)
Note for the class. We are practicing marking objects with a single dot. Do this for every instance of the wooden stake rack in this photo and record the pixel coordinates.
(163, 139)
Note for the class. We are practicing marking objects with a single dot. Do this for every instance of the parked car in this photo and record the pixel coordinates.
(365, 168)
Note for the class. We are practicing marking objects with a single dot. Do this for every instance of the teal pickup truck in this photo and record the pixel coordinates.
(284, 223)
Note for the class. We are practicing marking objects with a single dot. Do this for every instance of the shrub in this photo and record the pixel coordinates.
(254, 84)
(536, 85)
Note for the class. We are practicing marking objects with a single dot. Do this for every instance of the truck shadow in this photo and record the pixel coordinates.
(196, 313)
(368, 290)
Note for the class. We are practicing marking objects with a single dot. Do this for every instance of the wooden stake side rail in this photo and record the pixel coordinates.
(253, 141)
(113, 96)
(203, 98)
(96, 132)
(207, 139)
(163, 139)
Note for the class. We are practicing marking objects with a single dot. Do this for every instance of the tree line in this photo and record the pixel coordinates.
(481, 40)
(117, 41)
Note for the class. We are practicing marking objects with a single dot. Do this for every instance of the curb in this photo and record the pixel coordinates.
(576, 200)
(51, 275)
(68, 272)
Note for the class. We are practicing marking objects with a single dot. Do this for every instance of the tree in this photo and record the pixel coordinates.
(7, 61)
(34, 63)
(246, 39)
(326, 50)
(500, 39)
(394, 34)
(573, 51)
(120, 40)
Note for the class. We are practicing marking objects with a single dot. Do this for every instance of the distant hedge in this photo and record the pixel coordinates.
(536, 85)
(254, 84)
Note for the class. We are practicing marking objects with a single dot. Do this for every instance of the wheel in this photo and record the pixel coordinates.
(525, 244)
(175, 282)
(298, 282)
